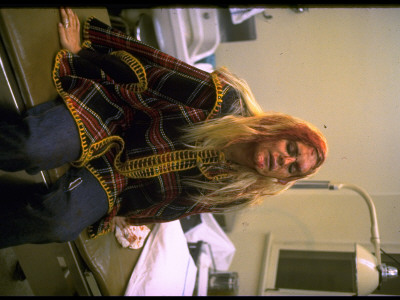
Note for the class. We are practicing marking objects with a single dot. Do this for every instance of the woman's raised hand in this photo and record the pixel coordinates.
(69, 30)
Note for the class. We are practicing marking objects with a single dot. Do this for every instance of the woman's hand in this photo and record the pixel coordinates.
(118, 221)
(69, 30)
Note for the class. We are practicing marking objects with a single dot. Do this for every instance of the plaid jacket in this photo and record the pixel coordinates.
(124, 125)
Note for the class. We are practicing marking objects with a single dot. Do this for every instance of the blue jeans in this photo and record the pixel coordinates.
(45, 137)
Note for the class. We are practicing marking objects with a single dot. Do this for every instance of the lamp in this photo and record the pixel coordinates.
(369, 270)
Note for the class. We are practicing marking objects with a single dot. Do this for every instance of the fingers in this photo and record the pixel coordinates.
(118, 221)
(69, 30)
(63, 14)
(61, 32)
(69, 18)
(64, 18)
(73, 18)
(121, 222)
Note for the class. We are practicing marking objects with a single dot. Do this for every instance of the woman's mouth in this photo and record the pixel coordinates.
(270, 162)
(261, 161)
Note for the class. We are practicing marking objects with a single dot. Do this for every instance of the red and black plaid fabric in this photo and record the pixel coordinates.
(148, 120)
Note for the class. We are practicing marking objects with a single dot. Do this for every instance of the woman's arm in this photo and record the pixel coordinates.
(110, 64)
(69, 31)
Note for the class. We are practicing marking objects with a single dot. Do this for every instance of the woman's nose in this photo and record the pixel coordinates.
(286, 160)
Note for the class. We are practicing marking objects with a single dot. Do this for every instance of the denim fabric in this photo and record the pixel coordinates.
(31, 213)
(45, 137)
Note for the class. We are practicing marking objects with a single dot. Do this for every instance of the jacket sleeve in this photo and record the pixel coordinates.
(168, 78)
(111, 65)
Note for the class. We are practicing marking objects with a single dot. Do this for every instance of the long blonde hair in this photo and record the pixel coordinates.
(244, 186)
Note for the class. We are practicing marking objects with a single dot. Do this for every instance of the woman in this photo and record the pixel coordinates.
(149, 138)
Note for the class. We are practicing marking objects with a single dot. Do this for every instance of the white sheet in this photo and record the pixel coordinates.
(209, 231)
(165, 267)
(240, 15)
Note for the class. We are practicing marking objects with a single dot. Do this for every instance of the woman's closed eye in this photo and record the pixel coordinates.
(294, 168)
(292, 149)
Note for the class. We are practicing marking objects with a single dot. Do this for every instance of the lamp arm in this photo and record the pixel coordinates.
(375, 239)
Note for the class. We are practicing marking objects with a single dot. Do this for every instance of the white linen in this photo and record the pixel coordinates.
(240, 15)
(204, 266)
(210, 232)
(165, 266)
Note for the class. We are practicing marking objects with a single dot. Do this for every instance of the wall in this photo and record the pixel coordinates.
(337, 68)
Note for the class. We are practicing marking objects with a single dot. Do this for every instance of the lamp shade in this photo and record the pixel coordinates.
(367, 274)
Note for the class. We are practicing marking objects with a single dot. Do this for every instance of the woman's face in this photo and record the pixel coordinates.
(280, 159)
